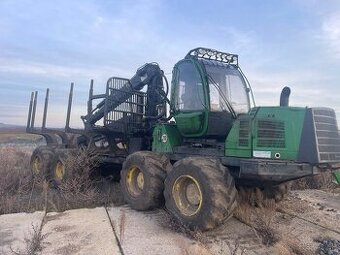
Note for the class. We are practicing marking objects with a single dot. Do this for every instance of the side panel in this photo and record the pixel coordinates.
(165, 138)
(190, 123)
(337, 176)
(238, 142)
(277, 132)
(267, 132)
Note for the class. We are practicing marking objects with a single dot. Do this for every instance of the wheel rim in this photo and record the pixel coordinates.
(59, 170)
(36, 165)
(187, 194)
(135, 181)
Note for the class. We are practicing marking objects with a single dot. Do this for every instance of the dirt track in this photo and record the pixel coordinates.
(302, 220)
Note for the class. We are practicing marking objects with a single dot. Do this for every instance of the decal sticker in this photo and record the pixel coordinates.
(164, 138)
(262, 154)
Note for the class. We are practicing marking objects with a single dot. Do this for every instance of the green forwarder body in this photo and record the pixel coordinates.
(190, 159)
(269, 144)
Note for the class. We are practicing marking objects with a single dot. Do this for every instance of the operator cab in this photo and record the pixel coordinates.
(208, 93)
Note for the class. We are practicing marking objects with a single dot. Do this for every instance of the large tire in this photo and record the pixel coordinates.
(200, 193)
(41, 162)
(59, 167)
(142, 179)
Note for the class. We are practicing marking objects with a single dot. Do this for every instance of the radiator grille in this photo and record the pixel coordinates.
(244, 133)
(271, 133)
(327, 135)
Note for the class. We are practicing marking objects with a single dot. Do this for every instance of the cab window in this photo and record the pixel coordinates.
(227, 84)
(189, 90)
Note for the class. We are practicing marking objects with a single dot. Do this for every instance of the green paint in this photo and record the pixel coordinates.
(337, 176)
(189, 123)
(233, 147)
(287, 143)
(165, 138)
(275, 131)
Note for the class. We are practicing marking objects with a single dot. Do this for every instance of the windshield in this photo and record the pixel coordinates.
(227, 84)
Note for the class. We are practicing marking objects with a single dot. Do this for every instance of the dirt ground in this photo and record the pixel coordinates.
(296, 225)
(300, 223)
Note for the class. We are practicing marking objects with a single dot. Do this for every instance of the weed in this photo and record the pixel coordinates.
(32, 243)
(323, 180)
(15, 181)
(169, 222)
(260, 219)
(234, 248)
(122, 225)
(20, 192)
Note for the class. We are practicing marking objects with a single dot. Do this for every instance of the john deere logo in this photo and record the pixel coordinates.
(164, 138)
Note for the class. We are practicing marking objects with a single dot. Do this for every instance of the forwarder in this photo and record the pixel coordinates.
(213, 143)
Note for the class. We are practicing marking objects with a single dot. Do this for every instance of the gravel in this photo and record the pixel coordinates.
(329, 247)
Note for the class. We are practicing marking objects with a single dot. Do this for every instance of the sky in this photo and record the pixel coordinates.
(45, 43)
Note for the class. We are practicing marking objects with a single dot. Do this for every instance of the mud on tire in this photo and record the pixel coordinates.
(142, 179)
(214, 184)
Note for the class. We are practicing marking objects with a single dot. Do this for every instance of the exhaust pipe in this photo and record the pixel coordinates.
(284, 98)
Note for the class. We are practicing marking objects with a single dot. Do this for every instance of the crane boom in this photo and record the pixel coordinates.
(149, 74)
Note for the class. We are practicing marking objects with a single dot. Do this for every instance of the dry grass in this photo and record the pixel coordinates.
(78, 189)
(227, 247)
(203, 244)
(32, 242)
(264, 217)
(167, 221)
(292, 245)
(14, 137)
(15, 180)
(260, 219)
(20, 192)
(323, 180)
(122, 226)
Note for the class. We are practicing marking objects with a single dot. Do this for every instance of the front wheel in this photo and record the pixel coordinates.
(200, 193)
(142, 179)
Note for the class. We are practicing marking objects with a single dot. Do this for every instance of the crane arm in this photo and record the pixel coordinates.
(149, 74)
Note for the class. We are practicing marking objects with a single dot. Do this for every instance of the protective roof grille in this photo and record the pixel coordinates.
(127, 116)
(212, 54)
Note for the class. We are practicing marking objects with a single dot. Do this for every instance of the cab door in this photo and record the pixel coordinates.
(189, 98)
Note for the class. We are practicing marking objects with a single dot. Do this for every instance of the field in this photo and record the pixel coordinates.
(306, 222)
(16, 136)
(20, 192)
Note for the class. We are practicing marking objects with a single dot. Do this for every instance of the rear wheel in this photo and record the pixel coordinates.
(142, 179)
(60, 166)
(41, 162)
(200, 193)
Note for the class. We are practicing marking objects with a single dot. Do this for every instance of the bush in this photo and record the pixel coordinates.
(20, 192)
